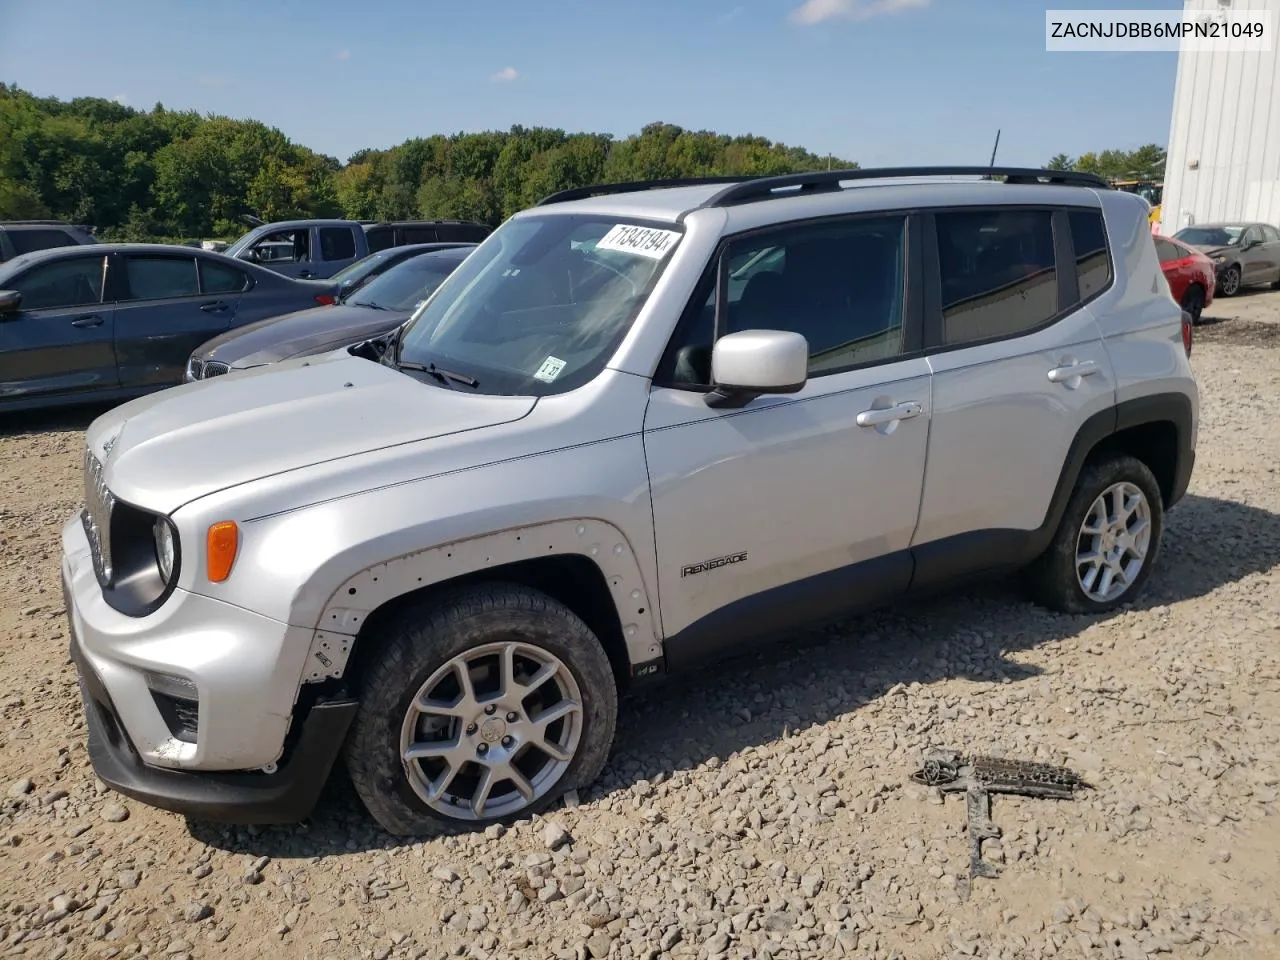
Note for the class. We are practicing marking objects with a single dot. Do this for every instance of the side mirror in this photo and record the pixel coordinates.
(10, 303)
(751, 363)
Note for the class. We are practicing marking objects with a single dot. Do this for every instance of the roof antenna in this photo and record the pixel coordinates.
(994, 148)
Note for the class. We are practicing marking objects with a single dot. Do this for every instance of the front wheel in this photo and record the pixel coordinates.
(484, 705)
(1107, 541)
(1229, 282)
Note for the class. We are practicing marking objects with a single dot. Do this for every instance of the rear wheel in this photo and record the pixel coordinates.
(1107, 541)
(483, 706)
(1229, 282)
(1193, 302)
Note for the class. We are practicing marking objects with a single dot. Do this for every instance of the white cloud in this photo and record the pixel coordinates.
(342, 55)
(816, 11)
(505, 75)
(121, 98)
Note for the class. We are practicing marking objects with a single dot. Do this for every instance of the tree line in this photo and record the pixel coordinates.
(180, 175)
(1144, 163)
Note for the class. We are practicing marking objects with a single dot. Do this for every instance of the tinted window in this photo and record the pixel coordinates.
(337, 243)
(405, 285)
(1270, 234)
(419, 235)
(25, 241)
(379, 238)
(1093, 264)
(1167, 251)
(158, 278)
(998, 270)
(840, 286)
(288, 246)
(221, 278)
(67, 283)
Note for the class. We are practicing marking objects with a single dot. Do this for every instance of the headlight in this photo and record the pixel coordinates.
(164, 548)
(1219, 259)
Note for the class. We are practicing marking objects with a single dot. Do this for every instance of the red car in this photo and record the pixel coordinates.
(1191, 275)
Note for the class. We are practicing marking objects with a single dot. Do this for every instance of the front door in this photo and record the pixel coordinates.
(792, 508)
(60, 342)
(161, 317)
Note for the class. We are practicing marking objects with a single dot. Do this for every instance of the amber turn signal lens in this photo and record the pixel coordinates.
(224, 539)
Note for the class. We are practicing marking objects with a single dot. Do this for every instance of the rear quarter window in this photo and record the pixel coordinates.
(27, 241)
(1093, 261)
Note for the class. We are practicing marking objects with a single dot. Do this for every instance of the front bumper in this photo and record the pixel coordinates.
(245, 670)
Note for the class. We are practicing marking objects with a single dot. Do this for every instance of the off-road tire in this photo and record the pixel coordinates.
(1052, 578)
(417, 642)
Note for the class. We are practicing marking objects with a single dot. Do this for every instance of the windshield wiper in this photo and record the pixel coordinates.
(444, 376)
(371, 305)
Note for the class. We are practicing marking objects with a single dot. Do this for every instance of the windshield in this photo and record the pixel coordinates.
(358, 270)
(1210, 236)
(240, 244)
(540, 306)
(405, 285)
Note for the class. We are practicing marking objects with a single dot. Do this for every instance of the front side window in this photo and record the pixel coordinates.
(540, 306)
(405, 286)
(66, 283)
(998, 271)
(161, 278)
(286, 246)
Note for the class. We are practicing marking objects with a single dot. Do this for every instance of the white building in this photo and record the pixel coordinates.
(1224, 141)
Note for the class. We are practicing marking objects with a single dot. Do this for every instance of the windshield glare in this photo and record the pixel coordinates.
(540, 306)
(1210, 236)
(404, 286)
(355, 271)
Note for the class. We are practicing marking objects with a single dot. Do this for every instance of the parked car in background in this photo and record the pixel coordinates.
(109, 321)
(1244, 254)
(315, 249)
(373, 311)
(1191, 275)
(27, 236)
(352, 278)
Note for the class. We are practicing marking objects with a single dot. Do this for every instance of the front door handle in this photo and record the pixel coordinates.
(1085, 368)
(92, 320)
(215, 307)
(901, 411)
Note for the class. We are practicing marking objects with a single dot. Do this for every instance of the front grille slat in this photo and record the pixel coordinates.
(213, 368)
(96, 516)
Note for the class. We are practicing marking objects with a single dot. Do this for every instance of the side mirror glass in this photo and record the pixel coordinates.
(751, 363)
(10, 303)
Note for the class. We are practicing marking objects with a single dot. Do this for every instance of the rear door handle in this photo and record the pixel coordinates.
(92, 320)
(216, 307)
(1085, 368)
(901, 411)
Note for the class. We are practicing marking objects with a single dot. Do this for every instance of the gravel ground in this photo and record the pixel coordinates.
(762, 811)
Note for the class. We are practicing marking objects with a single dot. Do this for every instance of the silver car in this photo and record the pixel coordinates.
(640, 427)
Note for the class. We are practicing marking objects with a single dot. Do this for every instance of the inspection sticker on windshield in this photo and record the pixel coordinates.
(549, 370)
(642, 241)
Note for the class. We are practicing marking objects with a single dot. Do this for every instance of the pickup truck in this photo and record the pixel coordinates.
(317, 249)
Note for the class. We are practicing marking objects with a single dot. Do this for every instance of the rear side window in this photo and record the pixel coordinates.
(161, 278)
(998, 272)
(379, 238)
(419, 235)
(1167, 251)
(25, 241)
(1270, 234)
(221, 278)
(337, 243)
(1093, 263)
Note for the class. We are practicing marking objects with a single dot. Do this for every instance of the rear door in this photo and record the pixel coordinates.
(1271, 247)
(336, 248)
(162, 316)
(1018, 366)
(60, 342)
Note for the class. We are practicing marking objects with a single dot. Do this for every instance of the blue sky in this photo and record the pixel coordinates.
(876, 81)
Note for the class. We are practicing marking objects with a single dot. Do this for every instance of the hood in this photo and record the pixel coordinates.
(299, 334)
(1211, 250)
(172, 447)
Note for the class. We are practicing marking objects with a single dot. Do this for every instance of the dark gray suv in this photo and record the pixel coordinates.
(26, 236)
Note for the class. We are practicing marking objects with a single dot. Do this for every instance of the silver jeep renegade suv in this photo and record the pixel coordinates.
(641, 426)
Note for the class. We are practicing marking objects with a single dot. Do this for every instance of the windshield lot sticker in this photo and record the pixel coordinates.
(642, 241)
(549, 370)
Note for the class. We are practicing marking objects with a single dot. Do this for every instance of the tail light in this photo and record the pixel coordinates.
(1186, 332)
(325, 299)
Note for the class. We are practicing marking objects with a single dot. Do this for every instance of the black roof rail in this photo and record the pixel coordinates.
(761, 188)
(635, 186)
(38, 223)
